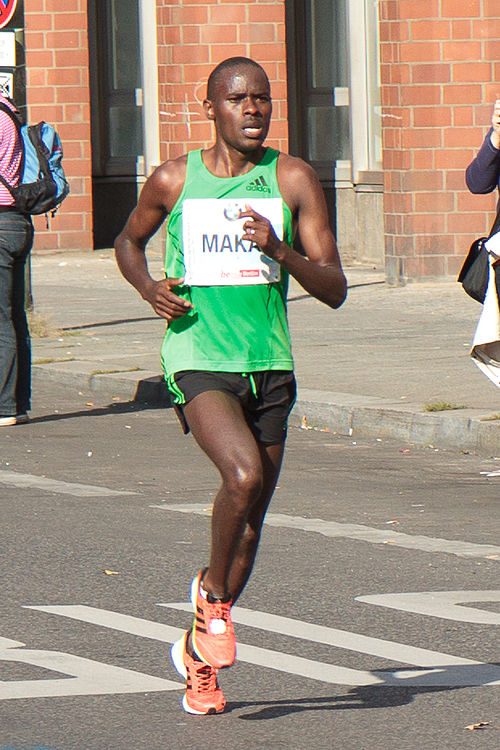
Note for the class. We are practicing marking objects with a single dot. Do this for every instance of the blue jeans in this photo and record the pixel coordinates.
(16, 240)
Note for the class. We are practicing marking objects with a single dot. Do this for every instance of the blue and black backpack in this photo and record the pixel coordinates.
(42, 184)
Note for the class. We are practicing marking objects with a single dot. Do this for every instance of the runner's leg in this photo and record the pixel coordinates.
(244, 558)
(218, 425)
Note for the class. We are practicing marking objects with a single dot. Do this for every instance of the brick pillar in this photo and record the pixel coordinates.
(440, 73)
(192, 39)
(57, 90)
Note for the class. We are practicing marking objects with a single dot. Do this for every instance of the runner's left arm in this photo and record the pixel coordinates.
(320, 273)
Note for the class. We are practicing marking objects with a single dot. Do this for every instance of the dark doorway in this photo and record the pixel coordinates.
(116, 114)
(316, 67)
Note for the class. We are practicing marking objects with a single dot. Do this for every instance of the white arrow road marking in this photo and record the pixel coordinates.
(451, 670)
(358, 532)
(46, 484)
(444, 604)
(87, 677)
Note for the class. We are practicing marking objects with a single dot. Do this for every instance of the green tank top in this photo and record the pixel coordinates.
(234, 328)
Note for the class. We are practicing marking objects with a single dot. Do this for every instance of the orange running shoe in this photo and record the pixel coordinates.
(212, 635)
(203, 694)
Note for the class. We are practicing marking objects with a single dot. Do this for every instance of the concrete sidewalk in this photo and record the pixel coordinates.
(374, 368)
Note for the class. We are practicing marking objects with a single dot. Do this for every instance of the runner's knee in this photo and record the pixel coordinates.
(244, 482)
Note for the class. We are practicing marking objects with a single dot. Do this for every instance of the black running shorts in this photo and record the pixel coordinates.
(266, 397)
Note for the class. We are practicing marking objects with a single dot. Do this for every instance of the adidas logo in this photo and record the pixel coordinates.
(259, 185)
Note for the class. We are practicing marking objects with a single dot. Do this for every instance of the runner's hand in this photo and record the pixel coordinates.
(164, 302)
(258, 229)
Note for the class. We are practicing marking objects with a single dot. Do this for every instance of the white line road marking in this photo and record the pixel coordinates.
(358, 532)
(419, 657)
(449, 671)
(251, 654)
(27, 481)
(363, 644)
(84, 676)
(157, 631)
(444, 604)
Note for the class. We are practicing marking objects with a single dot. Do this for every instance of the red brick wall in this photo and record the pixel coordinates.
(195, 35)
(192, 38)
(57, 90)
(440, 76)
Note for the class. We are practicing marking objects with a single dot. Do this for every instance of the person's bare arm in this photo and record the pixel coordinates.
(155, 201)
(320, 273)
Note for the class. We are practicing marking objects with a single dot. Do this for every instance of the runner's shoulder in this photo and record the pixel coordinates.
(168, 179)
(293, 166)
(295, 177)
(171, 172)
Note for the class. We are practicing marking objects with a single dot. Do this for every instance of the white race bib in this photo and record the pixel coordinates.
(215, 254)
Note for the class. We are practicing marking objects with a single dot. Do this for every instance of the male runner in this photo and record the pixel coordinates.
(226, 353)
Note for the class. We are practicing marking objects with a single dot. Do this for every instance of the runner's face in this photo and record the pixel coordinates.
(241, 109)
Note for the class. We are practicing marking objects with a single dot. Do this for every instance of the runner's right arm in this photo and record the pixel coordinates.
(155, 201)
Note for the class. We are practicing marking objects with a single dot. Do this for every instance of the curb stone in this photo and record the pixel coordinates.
(342, 413)
(372, 417)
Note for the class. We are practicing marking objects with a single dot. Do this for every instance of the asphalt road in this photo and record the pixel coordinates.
(326, 658)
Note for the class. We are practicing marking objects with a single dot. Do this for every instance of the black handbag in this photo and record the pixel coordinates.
(474, 273)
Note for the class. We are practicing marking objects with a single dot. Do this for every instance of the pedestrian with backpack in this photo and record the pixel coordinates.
(32, 181)
(16, 240)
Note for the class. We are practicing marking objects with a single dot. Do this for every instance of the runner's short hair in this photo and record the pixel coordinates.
(229, 64)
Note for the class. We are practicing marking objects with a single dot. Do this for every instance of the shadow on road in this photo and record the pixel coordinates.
(381, 695)
(99, 411)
